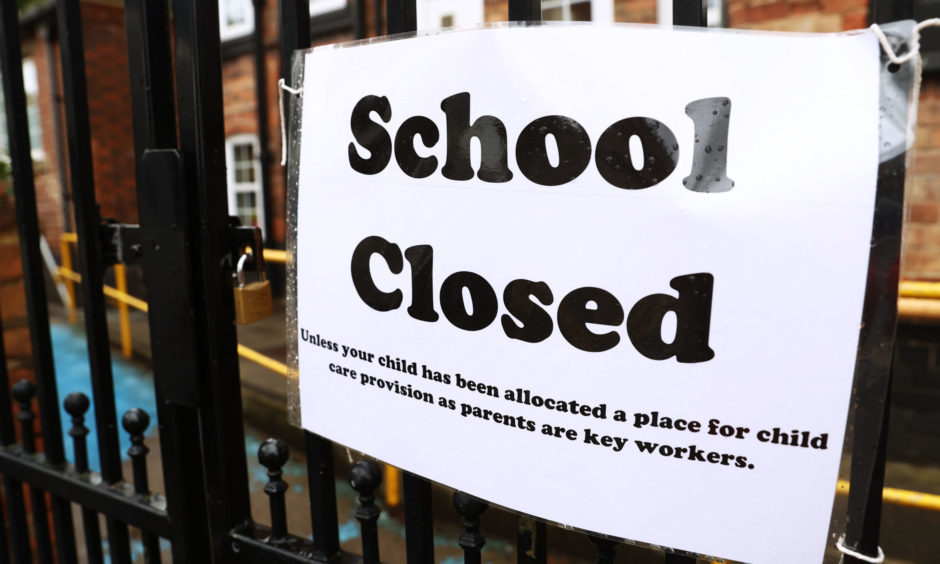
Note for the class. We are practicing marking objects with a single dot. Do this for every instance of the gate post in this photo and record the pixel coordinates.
(202, 144)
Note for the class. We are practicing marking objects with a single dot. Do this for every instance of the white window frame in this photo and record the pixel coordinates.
(231, 31)
(464, 13)
(33, 114)
(234, 187)
(4, 140)
(31, 88)
(320, 7)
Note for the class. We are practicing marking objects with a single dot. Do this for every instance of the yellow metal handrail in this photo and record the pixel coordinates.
(907, 498)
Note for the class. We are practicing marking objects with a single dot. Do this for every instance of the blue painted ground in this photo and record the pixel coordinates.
(133, 387)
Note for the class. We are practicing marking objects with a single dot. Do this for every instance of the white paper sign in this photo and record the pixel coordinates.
(611, 277)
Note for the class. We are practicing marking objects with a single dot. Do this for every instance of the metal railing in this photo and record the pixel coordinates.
(206, 511)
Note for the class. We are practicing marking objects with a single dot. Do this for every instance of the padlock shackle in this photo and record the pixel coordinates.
(240, 269)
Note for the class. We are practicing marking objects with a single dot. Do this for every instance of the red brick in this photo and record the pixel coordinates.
(841, 6)
(11, 267)
(12, 302)
(16, 342)
(764, 13)
(924, 212)
(798, 8)
(920, 265)
(927, 162)
(855, 19)
(925, 187)
(915, 237)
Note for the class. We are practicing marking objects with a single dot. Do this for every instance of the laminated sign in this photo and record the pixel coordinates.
(611, 277)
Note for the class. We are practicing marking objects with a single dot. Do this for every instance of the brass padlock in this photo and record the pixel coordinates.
(253, 300)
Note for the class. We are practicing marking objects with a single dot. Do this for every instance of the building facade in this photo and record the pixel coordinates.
(251, 58)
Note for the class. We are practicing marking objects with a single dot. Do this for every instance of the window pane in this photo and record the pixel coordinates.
(244, 152)
(581, 12)
(234, 12)
(245, 163)
(566, 10)
(246, 208)
(244, 174)
(4, 146)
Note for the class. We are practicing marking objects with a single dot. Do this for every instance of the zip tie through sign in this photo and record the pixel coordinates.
(840, 545)
(915, 44)
(281, 88)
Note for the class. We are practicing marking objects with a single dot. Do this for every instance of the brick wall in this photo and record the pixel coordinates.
(109, 107)
(109, 110)
(13, 296)
(111, 122)
(48, 187)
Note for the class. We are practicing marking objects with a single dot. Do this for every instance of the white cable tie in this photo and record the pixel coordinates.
(281, 88)
(840, 545)
(915, 43)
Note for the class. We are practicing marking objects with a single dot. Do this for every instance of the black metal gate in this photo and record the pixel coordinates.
(187, 245)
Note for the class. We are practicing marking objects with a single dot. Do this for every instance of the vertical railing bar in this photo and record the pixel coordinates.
(365, 477)
(13, 500)
(16, 509)
(402, 16)
(690, 13)
(89, 240)
(4, 541)
(25, 198)
(81, 172)
(202, 143)
(471, 540)
(23, 392)
(28, 227)
(358, 15)
(92, 531)
(419, 520)
(871, 392)
(135, 422)
(150, 65)
(531, 546)
(261, 113)
(76, 405)
(525, 10)
(378, 13)
(295, 34)
(37, 500)
(322, 487)
(532, 541)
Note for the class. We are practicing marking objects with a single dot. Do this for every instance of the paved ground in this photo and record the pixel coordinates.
(908, 535)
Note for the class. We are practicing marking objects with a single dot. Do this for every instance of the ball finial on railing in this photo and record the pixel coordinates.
(469, 507)
(365, 477)
(77, 404)
(135, 421)
(24, 391)
(273, 454)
